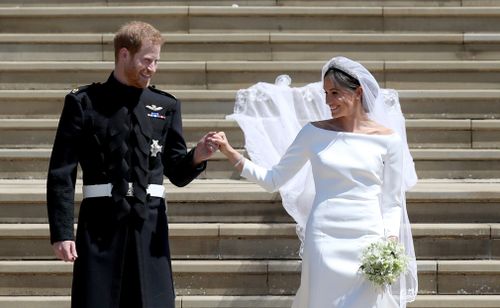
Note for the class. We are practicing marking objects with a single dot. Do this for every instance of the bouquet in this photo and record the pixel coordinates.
(383, 262)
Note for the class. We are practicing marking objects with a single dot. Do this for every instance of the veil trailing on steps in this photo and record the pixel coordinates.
(271, 115)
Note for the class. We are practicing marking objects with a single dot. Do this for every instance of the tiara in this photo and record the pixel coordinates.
(338, 64)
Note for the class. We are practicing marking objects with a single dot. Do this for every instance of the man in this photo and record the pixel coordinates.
(126, 136)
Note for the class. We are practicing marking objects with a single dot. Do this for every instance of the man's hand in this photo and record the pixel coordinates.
(65, 250)
(205, 148)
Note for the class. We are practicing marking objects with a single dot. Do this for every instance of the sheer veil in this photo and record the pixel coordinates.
(271, 115)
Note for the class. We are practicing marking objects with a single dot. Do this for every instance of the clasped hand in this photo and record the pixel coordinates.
(205, 148)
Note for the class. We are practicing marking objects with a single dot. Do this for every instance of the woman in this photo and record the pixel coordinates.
(359, 171)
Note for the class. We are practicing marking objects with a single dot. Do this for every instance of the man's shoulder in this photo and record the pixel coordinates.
(84, 95)
(159, 94)
(82, 90)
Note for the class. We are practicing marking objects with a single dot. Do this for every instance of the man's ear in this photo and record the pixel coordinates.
(123, 54)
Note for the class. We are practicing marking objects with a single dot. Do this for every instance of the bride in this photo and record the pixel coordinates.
(342, 169)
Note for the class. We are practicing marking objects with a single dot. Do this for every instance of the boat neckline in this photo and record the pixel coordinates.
(350, 133)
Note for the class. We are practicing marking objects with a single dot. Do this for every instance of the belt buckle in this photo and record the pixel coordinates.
(130, 191)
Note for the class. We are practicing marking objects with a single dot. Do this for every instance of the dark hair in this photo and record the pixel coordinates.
(342, 78)
(132, 34)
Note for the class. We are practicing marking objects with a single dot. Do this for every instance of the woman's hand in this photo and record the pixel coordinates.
(221, 141)
(234, 157)
(392, 238)
(204, 149)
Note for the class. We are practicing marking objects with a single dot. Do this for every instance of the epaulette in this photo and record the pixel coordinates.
(84, 88)
(154, 89)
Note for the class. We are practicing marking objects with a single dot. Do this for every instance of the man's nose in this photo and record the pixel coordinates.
(152, 67)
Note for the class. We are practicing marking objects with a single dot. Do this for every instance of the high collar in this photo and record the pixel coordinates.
(127, 95)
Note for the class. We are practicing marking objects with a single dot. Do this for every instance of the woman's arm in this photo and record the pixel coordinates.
(270, 179)
(391, 201)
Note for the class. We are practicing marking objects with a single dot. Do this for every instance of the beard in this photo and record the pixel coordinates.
(134, 77)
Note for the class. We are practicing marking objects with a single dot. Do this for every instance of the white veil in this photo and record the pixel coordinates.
(271, 115)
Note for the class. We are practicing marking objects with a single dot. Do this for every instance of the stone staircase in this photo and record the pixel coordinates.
(232, 243)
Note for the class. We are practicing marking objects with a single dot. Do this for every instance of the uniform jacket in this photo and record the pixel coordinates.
(117, 134)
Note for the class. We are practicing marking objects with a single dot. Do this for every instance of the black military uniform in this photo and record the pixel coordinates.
(127, 139)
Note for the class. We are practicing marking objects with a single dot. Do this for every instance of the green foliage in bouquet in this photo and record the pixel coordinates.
(383, 262)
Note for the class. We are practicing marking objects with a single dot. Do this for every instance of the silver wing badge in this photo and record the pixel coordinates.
(154, 107)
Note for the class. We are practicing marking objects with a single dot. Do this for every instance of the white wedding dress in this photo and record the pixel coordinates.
(357, 179)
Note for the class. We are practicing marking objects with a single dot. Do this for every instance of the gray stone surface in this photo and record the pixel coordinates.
(232, 242)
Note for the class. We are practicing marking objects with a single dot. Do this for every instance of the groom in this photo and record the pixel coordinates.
(126, 135)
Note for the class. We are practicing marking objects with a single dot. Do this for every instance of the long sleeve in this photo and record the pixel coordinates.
(290, 163)
(178, 162)
(61, 177)
(391, 202)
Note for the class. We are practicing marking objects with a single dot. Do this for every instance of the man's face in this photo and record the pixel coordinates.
(140, 68)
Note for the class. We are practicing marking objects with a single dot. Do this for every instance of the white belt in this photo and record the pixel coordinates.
(104, 190)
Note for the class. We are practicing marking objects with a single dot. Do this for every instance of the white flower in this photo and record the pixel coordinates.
(383, 262)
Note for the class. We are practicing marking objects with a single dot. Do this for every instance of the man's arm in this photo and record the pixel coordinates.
(61, 177)
(181, 166)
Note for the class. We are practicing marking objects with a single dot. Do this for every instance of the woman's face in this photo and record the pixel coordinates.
(342, 101)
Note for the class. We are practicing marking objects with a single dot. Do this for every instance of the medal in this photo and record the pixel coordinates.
(155, 148)
(156, 115)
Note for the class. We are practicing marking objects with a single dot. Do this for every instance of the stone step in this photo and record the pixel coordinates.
(430, 163)
(272, 46)
(266, 241)
(237, 277)
(448, 134)
(226, 75)
(187, 241)
(422, 301)
(198, 19)
(230, 201)
(216, 104)
(385, 3)
(446, 163)
(450, 104)
(196, 104)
